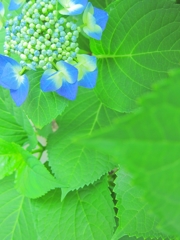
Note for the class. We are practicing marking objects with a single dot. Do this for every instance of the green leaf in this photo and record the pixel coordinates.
(101, 4)
(42, 107)
(14, 123)
(139, 45)
(16, 216)
(10, 130)
(32, 178)
(72, 164)
(84, 214)
(133, 211)
(148, 143)
(10, 158)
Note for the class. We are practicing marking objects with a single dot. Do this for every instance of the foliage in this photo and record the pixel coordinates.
(105, 165)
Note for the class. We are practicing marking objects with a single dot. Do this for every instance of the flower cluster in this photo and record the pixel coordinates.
(45, 35)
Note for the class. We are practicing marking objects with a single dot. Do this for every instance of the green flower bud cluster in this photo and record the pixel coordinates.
(40, 35)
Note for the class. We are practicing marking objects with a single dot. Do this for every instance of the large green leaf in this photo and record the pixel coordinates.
(148, 144)
(133, 211)
(140, 44)
(72, 164)
(84, 214)
(42, 107)
(16, 216)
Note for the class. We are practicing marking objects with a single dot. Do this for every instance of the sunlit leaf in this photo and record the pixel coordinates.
(139, 45)
(148, 143)
(72, 164)
(16, 215)
(84, 214)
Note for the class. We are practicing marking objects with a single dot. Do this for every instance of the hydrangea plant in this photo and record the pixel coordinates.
(46, 36)
(89, 119)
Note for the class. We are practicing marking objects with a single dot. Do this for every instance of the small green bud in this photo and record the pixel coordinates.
(41, 57)
(26, 51)
(51, 59)
(49, 31)
(53, 46)
(44, 10)
(35, 59)
(23, 57)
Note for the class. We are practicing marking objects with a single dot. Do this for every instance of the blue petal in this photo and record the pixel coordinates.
(89, 79)
(14, 4)
(68, 90)
(87, 61)
(11, 78)
(68, 72)
(21, 93)
(50, 80)
(4, 60)
(96, 34)
(2, 9)
(91, 28)
(75, 7)
(101, 17)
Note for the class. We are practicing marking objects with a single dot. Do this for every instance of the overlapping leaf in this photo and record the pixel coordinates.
(72, 164)
(139, 45)
(148, 144)
(84, 214)
(32, 178)
(134, 213)
(42, 107)
(16, 215)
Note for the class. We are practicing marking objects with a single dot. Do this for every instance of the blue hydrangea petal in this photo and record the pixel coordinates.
(20, 95)
(90, 27)
(15, 4)
(72, 7)
(89, 9)
(68, 90)
(101, 17)
(4, 60)
(11, 78)
(85, 65)
(89, 62)
(89, 79)
(51, 80)
(2, 11)
(94, 20)
(68, 72)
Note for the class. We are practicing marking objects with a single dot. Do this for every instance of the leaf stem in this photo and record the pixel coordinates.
(37, 150)
(23, 70)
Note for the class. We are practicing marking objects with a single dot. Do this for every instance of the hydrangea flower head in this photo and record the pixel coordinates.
(45, 35)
